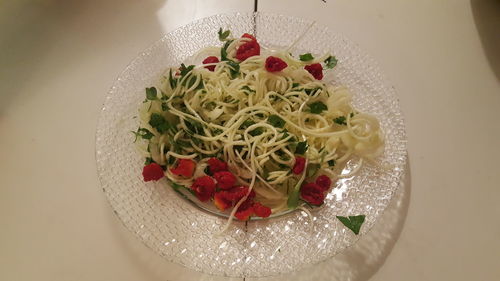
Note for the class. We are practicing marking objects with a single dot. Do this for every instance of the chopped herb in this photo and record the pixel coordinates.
(352, 222)
(256, 131)
(182, 143)
(295, 85)
(351, 115)
(306, 57)
(185, 70)
(317, 107)
(276, 121)
(312, 91)
(207, 171)
(217, 131)
(151, 93)
(143, 133)
(148, 161)
(158, 122)
(301, 147)
(194, 127)
(331, 163)
(312, 169)
(247, 123)
(248, 89)
(223, 50)
(234, 68)
(223, 34)
(171, 160)
(340, 120)
(172, 80)
(330, 62)
(164, 106)
(293, 196)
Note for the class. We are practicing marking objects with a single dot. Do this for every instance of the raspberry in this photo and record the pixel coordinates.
(215, 165)
(210, 59)
(312, 193)
(261, 210)
(152, 172)
(324, 182)
(300, 164)
(221, 202)
(248, 49)
(204, 187)
(225, 179)
(274, 64)
(316, 70)
(185, 168)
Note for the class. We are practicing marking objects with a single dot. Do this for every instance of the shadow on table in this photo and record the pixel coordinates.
(487, 19)
(361, 261)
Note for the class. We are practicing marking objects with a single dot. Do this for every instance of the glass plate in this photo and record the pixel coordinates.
(184, 234)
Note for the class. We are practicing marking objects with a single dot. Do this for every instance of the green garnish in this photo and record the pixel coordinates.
(331, 163)
(293, 197)
(171, 80)
(352, 222)
(317, 107)
(143, 133)
(194, 127)
(312, 91)
(248, 89)
(151, 93)
(148, 161)
(295, 85)
(340, 120)
(330, 62)
(306, 57)
(185, 70)
(234, 68)
(158, 122)
(223, 50)
(276, 121)
(301, 147)
(223, 34)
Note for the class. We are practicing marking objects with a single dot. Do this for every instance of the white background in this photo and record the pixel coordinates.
(59, 58)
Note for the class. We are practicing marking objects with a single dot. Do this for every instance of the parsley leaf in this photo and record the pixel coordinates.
(256, 131)
(185, 70)
(223, 34)
(306, 57)
(158, 122)
(331, 163)
(295, 85)
(352, 222)
(151, 93)
(223, 50)
(164, 106)
(234, 68)
(317, 107)
(330, 62)
(143, 133)
(148, 161)
(340, 120)
(311, 91)
(194, 127)
(276, 121)
(172, 80)
(301, 147)
(248, 89)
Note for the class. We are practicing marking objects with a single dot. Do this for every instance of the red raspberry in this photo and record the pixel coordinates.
(210, 59)
(152, 172)
(261, 210)
(221, 202)
(245, 210)
(185, 168)
(215, 165)
(312, 193)
(225, 179)
(236, 193)
(248, 49)
(204, 187)
(300, 164)
(246, 35)
(274, 64)
(316, 70)
(324, 182)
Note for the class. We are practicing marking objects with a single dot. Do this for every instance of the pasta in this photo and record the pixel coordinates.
(265, 116)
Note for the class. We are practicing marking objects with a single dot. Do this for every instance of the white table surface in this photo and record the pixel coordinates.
(59, 58)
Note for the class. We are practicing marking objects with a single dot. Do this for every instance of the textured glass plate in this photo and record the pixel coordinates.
(183, 233)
